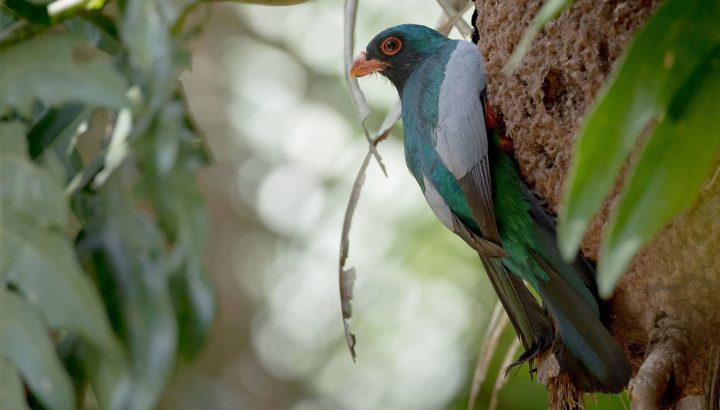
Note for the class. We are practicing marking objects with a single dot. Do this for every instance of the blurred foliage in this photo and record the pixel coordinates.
(665, 88)
(102, 223)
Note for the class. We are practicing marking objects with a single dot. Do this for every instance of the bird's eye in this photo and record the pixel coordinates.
(391, 46)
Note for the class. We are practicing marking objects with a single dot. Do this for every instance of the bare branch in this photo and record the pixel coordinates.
(498, 322)
(347, 276)
(362, 109)
(502, 376)
(454, 10)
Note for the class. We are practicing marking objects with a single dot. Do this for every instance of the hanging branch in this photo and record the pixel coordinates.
(362, 109)
(502, 376)
(498, 323)
(347, 276)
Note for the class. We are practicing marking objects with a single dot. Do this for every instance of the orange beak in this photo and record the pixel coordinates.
(362, 66)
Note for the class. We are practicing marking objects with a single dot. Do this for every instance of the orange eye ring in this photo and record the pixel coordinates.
(391, 46)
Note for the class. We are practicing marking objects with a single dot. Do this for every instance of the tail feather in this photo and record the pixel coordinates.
(586, 350)
(530, 321)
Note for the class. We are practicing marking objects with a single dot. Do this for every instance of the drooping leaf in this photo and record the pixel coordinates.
(57, 123)
(68, 350)
(58, 68)
(125, 248)
(145, 31)
(111, 379)
(37, 256)
(98, 29)
(29, 191)
(40, 262)
(171, 156)
(659, 61)
(33, 11)
(24, 341)
(670, 171)
(12, 395)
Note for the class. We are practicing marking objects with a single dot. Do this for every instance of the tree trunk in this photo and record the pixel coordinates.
(663, 311)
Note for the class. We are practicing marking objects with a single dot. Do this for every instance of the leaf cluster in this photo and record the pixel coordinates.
(102, 224)
(667, 88)
(663, 96)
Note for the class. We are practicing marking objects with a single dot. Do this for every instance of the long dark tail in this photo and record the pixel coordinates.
(585, 349)
(530, 321)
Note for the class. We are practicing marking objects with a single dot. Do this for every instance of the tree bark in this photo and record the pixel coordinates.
(663, 311)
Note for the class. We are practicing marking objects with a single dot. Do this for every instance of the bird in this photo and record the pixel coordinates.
(472, 185)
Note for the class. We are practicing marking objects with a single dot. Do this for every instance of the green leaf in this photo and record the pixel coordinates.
(28, 191)
(57, 124)
(58, 68)
(145, 32)
(41, 263)
(126, 250)
(12, 395)
(111, 379)
(549, 11)
(669, 173)
(33, 11)
(67, 349)
(664, 54)
(172, 156)
(25, 342)
(53, 140)
(38, 257)
(98, 29)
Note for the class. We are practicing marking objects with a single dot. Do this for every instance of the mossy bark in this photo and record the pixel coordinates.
(665, 307)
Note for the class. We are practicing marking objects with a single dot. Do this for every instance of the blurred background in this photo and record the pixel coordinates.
(267, 90)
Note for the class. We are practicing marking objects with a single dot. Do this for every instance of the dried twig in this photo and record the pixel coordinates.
(455, 9)
(347, 275)
(362, 109)
(502, 376)
(498, 322)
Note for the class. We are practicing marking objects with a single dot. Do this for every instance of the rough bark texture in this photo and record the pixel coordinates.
(674, 280)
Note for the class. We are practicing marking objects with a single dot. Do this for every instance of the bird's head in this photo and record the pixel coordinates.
(396, 51)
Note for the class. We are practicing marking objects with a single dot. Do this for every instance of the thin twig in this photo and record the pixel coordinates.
(455, 14)
(347, 276)
(498, 322)
(362, 109)
(502, 376)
